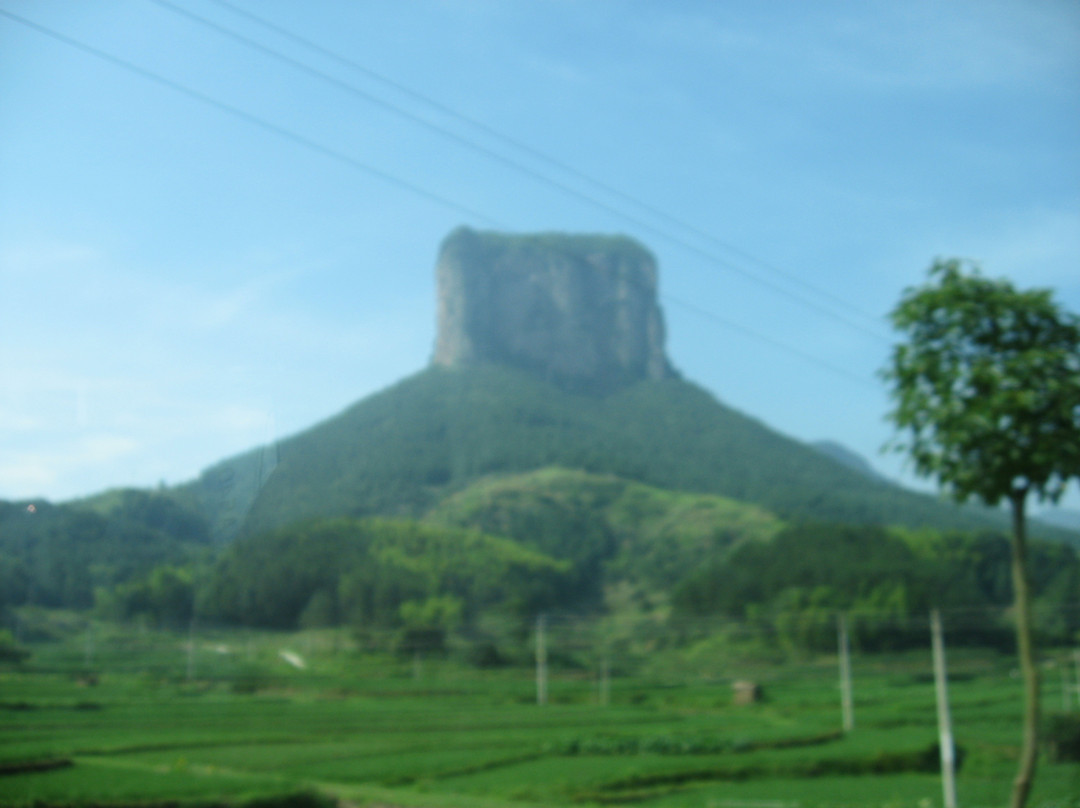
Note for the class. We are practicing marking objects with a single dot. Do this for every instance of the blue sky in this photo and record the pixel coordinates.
(179, 282)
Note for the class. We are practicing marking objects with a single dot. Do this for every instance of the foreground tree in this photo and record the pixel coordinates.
(987, 393)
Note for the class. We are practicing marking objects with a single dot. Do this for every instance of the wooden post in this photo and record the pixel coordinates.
(847, 704)
(945, 736)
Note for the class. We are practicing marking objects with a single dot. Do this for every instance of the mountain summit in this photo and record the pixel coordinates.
(577, 310)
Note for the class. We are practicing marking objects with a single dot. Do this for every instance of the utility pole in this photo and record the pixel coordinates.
(605, 682)
(89, 645)
(541, 662)
(847, 704)
(945, 736)
(1076, 662)
(1065, 686)
(191, 650)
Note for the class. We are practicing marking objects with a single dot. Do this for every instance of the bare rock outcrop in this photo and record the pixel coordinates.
(579, 310)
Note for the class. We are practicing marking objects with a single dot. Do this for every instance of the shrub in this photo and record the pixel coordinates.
(10, 651)
(1062, 738)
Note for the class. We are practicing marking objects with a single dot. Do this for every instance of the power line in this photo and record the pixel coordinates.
(308, 143)
(716, 318)
(490, 154)
(531, 151)
(261, 123)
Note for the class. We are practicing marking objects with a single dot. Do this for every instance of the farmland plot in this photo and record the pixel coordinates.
(375, 729)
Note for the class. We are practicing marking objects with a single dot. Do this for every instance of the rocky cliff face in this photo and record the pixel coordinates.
(578, 310)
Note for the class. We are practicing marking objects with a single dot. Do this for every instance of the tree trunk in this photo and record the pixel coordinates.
(1026, 649)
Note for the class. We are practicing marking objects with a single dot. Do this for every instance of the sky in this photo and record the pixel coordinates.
(219, 220)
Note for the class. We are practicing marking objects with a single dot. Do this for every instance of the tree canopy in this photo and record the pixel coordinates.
(987, 385)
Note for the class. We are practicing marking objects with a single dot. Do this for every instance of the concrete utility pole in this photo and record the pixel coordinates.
(541, 662)
(945, 736)
(847, 703)
(1066, 685)
(191, 650)
(605, 682)
(1076, 662)
(89, 654)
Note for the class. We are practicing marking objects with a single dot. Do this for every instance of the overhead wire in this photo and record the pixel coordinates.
(808, 357)
(255, 120)
(336, 155)
(532, 152)
(508, 162)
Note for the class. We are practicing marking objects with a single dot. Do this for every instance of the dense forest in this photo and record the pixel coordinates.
(808, 573)
(64, 555)
(511, 547)
(400, 452)
(378, 572)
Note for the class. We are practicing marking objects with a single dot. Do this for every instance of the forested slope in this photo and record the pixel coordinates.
(59, 555)
(613, 531)
(401, 451)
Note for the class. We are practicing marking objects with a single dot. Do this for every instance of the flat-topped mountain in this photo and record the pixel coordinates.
(550, 352)
(580, 311)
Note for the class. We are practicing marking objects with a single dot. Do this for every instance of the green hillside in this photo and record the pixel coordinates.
(566, 541)
(401, 451)
(62, 555)
(378, 572)
(613, 531)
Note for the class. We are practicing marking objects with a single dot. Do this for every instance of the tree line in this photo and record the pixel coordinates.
(554, 542)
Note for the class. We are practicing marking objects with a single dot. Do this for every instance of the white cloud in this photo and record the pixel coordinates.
(37, 471)
(243, 419)
(114, 376)
(1042, 247)
(102, 448)
(38, 258)
(14, 420)
(27, 476)
(1032, 248)
(950, 46)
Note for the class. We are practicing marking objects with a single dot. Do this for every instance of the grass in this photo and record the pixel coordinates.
(367, 730)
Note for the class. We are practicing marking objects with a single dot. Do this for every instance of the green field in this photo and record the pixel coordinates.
(125, 717)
